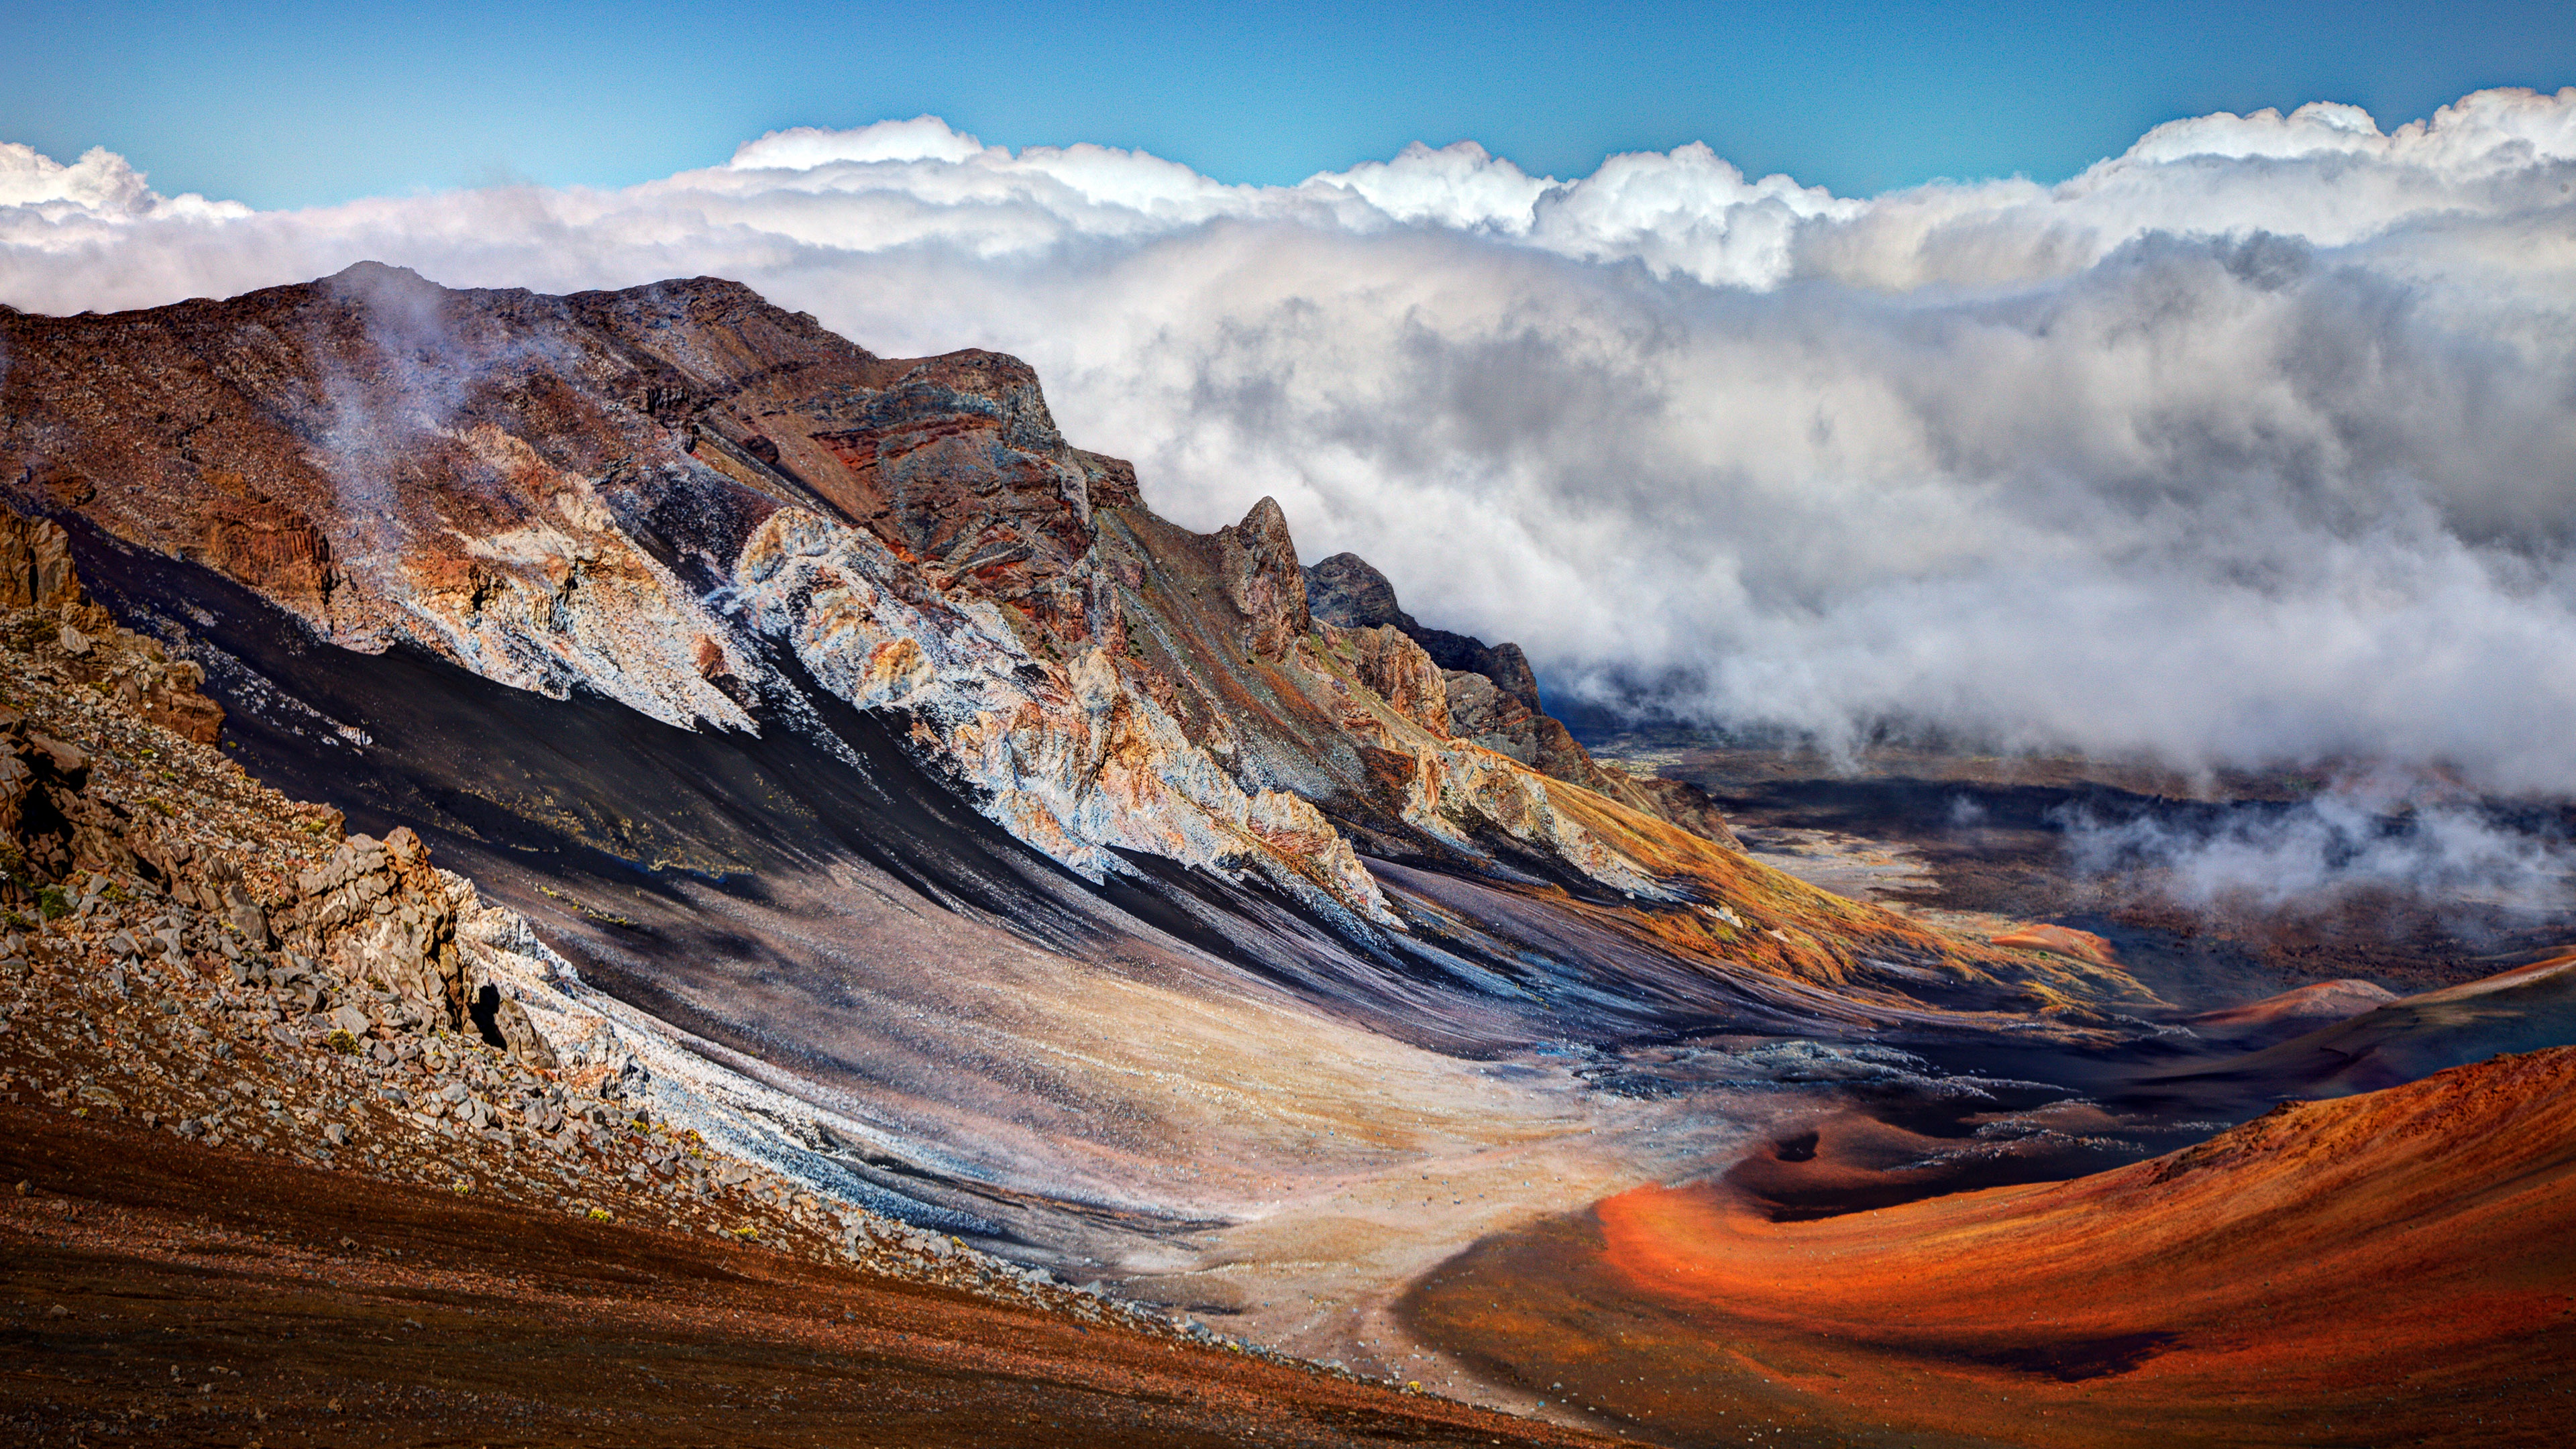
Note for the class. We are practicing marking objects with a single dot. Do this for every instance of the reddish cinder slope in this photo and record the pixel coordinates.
(2395, 1267)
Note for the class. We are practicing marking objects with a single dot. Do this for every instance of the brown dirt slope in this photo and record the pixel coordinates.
(158, 1292)
(2398, 1267)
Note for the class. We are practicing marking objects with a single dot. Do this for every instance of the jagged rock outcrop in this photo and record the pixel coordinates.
(1493, 699)
(1348, 590)
(374, 915)
(380, 913)
(1263, 579)
(41, 595)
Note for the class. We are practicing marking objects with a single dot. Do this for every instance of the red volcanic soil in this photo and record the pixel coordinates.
(154, 1292)
(2302, 1009)
(2395, 1267)
(2063, 940)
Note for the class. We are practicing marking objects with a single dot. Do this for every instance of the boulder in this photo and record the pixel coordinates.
(519, 1034)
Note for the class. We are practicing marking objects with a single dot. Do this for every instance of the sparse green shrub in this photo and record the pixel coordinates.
(52, 904)
(602, 1215)
(340, 1041)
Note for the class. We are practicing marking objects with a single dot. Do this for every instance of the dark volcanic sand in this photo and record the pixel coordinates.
(327, 1309)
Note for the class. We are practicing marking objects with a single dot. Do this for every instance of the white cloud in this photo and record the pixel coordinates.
(2255, 442)
(101, 184)
(803, 148)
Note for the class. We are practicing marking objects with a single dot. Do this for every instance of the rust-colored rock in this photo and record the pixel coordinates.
(1263, 579)
(1493, 700)
(36, 567)
(48, 608)
(1388, 661)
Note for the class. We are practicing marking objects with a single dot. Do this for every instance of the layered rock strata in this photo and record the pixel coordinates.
(683, 499)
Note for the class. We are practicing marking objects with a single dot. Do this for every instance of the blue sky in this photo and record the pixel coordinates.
(282, 104)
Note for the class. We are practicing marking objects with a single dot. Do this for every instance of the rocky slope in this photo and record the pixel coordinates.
(1491, 697)
(192, 952)
(710, 511)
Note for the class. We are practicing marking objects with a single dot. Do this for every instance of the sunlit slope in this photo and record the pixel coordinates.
(2398, 1266)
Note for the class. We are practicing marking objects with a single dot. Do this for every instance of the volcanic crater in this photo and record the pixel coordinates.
(859, 819)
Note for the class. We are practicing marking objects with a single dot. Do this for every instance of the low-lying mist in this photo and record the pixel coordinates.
(2270, 858)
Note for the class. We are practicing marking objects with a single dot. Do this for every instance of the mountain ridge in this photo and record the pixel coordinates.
(647, 493)
(1493, 699)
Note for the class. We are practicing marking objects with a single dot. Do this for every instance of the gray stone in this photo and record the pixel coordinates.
(520, 1034)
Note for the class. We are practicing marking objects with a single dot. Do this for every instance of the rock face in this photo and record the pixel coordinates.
(374, 915)
(651, 494)
(1263, 580)
(794, 605)
(383, 915)
(1493, 700)
(1348, 590)
(43, 596)
(1388, 661)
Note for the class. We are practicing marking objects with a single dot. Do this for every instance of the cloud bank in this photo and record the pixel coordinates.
(2256, 443)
